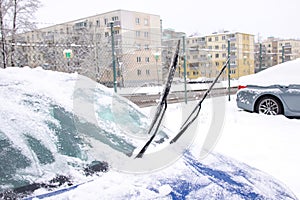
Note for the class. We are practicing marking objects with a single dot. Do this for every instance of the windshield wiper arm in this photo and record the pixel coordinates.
(162, 105)
(197, 108)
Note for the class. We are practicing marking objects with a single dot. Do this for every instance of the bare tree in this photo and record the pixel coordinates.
(22, 11)
(4, 7)
(15, 17)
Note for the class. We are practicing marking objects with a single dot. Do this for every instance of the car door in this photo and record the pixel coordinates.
(291, 97)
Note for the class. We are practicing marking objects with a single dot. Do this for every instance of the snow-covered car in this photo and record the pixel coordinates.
(63, 136)
(273, 91)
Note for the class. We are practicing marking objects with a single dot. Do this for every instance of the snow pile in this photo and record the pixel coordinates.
(283, 74)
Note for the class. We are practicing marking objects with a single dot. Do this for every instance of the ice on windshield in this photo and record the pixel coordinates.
(40, 132)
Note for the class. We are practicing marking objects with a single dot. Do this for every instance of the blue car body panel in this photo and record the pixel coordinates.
(225, 179)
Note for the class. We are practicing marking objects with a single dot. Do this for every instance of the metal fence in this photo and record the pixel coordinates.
(123, 59)
(133, 59)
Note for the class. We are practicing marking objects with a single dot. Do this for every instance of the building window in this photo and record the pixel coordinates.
(98, 23)
(147, 71)
(115, 18)
(217, 47)
(223, 46)
(146, 46)
(223, 37)
(138, 46)
(146, 22)
(138, 59)
(105, 21)
(137, 21)
(147, 59)
(224, 55)
(217, 55)
(146, 34)
(139, 72)
(216, 38)
(217, 63)
(138, 33)
(106, 34)
(209, 39)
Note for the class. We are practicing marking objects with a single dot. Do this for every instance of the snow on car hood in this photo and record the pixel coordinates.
(283, 74)
(216, 177)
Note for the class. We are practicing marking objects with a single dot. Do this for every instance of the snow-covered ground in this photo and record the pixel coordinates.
(269, 143)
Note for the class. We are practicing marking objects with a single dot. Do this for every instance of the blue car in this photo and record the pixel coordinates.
(63, 136)
(273, 91)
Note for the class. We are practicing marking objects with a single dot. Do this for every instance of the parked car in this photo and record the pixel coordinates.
(274, 91)
(60, 136)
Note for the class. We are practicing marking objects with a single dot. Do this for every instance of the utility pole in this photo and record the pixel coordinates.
(260, 56)
(228, 69)
(184, 68)
(282, 53)
(113, 56)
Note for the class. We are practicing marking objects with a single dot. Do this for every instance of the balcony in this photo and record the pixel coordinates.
(194, 50)
(204, 59)
(233, 57)
(233, 48)
(80, 25)
(201, 42)
(49, 38)
(116, 24)
(233, 65)
(232, 39)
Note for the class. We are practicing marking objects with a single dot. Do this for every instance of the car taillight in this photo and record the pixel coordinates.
(241, 87)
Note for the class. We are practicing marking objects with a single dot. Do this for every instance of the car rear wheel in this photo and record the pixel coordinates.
(269, 105)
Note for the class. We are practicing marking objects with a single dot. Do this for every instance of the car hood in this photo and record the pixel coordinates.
(215, 177)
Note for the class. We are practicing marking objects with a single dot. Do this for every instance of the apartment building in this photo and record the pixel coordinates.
(170, 38)
(85, 45)
(207, 54)
(273, 51)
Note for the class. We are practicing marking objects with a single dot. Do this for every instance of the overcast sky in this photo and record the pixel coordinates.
(278, 18)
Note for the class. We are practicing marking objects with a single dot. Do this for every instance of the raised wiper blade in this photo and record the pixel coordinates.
(197, 108)
(162, 105)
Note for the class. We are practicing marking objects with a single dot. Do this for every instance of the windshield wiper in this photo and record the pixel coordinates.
(197, 108)
(162, 105)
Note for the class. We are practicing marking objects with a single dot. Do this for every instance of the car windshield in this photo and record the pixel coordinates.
(45, 131)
